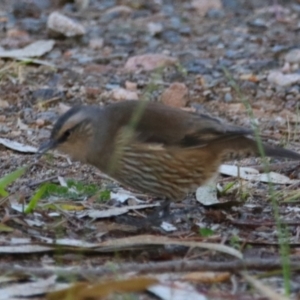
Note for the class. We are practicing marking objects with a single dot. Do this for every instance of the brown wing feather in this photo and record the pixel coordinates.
(169, 126)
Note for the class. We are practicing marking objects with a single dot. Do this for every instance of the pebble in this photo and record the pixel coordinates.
(171, 36)
(269, 93)
(60, 24)
(131, 86)
(213, 39)
(82, 4)
(123, 94)
(154, 28)
(293, 56)
(46, 117)
(203, 6)
(149, 62)
(4, 129)
(283, 80)
(260, 94)
(227, 97)
(175, 95)
(96, 43)
(258, 24)
(40, 122)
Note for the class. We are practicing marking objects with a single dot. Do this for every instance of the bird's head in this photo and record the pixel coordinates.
(73, 133)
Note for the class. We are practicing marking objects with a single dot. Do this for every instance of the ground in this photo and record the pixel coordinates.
(238, 60)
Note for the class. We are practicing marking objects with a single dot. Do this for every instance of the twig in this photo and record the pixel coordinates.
(160, 267)
(278, 166)
(43, 181)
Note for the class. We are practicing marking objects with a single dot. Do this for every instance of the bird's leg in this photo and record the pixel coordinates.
(161, 213)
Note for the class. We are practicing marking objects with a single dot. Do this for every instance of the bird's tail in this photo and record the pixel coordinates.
(233, 147)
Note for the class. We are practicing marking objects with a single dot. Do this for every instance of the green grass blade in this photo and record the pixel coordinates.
(9, 178)
(35, 198)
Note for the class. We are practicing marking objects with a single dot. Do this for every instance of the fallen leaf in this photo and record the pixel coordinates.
(115, 211)
(122, 196)
(81, 290)
(5, 228)
(252, 174)
(30, 289)
(176, 291)
(36, 49)
(207, 277)
(281, 79)
(167, 227)
(17, 146)
(207, 194)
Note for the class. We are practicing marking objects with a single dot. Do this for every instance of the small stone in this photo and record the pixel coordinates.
(149, 62)
(154, 28)
(227, 97)
(269, 93)
(96, 43)
(40, 122)
(92, 92)
(46, 117)
(82, 4)
(123, 94)
(175, 95)
(4, 129)
(258, 24)
(59, 24)
(260, 94)
(131, 86)
(293, 56)
(3, 103)
(283, 80)
(119, 9)
(203, 6)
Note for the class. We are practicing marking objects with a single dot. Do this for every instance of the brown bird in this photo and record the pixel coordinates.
(153, 148)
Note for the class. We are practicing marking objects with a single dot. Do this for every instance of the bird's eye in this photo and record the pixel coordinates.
(67, 134)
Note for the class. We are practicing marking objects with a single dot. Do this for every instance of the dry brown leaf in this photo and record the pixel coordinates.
(81, 291)
(207, 277)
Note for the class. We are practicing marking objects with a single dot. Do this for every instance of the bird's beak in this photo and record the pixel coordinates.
(45, 147)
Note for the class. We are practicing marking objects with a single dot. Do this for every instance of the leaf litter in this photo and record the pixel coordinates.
(43, 213)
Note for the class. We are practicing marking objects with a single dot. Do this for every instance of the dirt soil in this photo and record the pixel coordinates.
(238, 60)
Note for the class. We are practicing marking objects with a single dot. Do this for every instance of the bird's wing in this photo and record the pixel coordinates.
(160, 124)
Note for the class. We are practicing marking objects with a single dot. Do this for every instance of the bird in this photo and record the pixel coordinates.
(153, 148)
